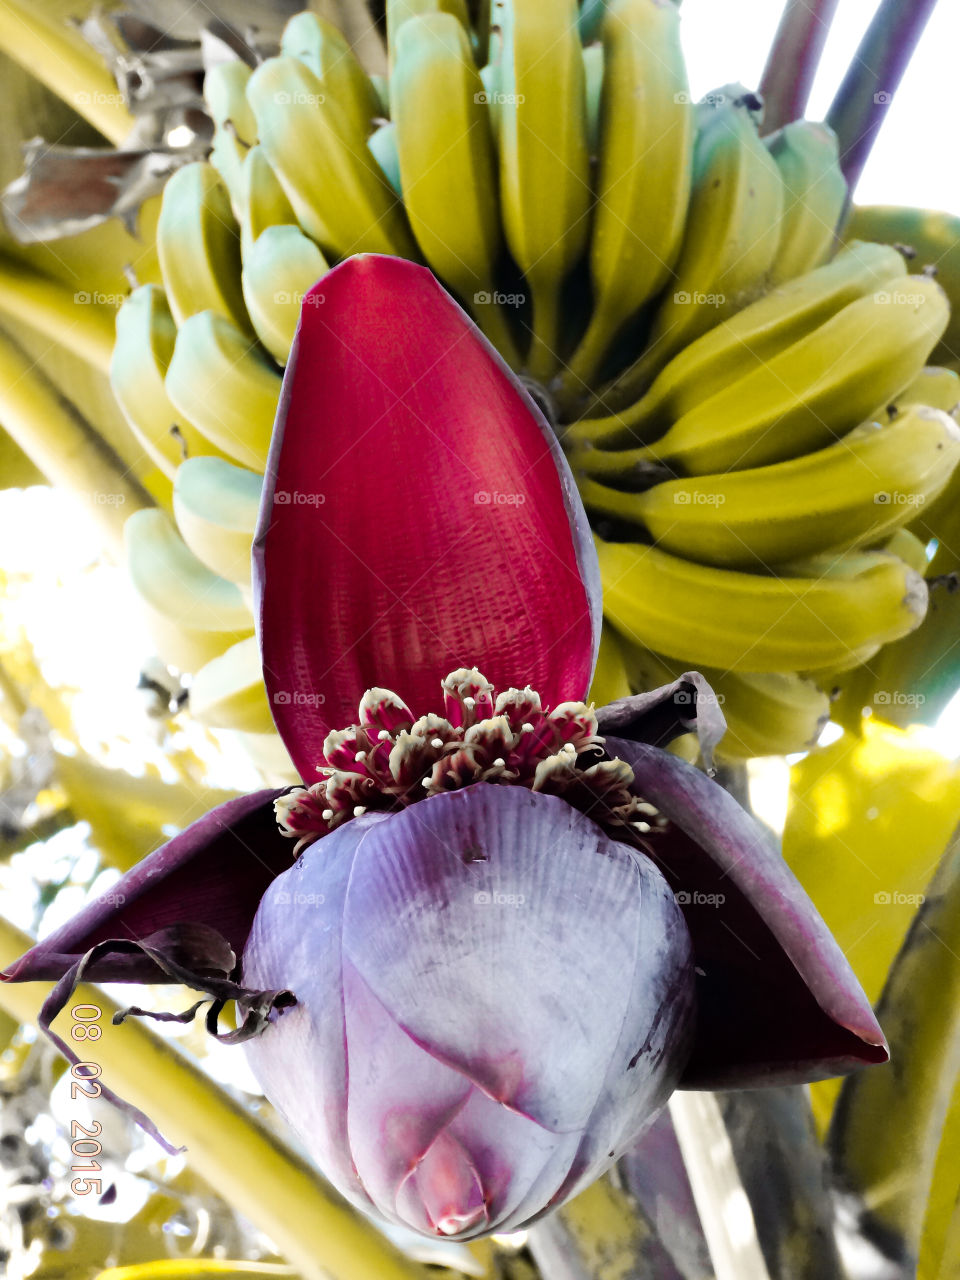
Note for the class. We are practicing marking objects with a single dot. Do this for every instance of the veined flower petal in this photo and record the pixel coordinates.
(417, 516)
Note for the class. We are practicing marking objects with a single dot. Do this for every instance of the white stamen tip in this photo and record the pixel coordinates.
(569, 749)
(425, 783)
(499, 763)
(360, 756)
(359, 810)
(469, 703)
(384, 735)
(327, 815)
(526, 727)
(436, 742)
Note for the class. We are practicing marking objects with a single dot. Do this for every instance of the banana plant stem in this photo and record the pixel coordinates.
(74, 319)
(63, 445)
(542, 359)
(248, 1165)
(57, 57)
(863, 99)
(793, 60)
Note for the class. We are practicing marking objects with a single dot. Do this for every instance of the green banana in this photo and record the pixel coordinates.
(448, 164)
(337, 190)
(277, 273)
(228, 692)
(757, 622)
(730, 242)
(146, 335)
(645, 168)
(849, 494)
(544, 166)
(383, 145)
(742, 343)
(219, 380)
(198, 243)
(815, 195)
(934, 386)
(593, 81)
(490, 76)
(235, 129)
(216, 506)
(323, 48)
(398, 12)
(192, 614)
(767, 713)
(801, 399)
(262, 201)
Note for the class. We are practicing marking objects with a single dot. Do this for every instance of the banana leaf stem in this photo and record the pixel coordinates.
(57, 57)
(73, 319)
(248, 1165)
(63, 445)
(793, 60)
(863, 99)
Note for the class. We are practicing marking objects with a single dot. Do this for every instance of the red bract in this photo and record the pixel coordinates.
(512, 928)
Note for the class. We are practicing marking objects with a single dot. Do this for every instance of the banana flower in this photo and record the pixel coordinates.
(475, 953)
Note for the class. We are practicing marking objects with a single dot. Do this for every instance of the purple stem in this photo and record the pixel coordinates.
(864, 97)
(793, 60)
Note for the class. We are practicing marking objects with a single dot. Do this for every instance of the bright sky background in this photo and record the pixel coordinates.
(916, 159)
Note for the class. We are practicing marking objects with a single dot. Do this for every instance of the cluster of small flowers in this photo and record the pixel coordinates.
(390, 759)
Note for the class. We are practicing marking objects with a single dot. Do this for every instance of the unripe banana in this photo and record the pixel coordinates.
(767, 713)
(218, 378)
(336, 188)
(278, 272)
(323, 48)
(448, 163)
(740, 344)
(645, 166)
(400, 11)
(815, 193)
(593, 81)
(263, 202)
(198, 242)
(192, 613)
(847, 495)
(544, 167)
(229, 693)
(730, 242)
(934, 386)
(490, 75)
(801, 399)
(144, 347)
(235, 130)
(756, 622)
(383, 146)
(216, 505)
(908, 547)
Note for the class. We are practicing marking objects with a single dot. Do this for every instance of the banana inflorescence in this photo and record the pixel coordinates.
(743, 399)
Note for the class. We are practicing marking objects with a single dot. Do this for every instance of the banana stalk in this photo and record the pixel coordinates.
(63, 445)
(234, 1151)
(793, 60)
(889, 1166)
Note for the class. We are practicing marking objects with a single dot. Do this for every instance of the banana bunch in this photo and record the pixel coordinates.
(722, 378)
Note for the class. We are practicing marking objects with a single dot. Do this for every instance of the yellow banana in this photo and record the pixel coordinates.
(544, 167)
(757, 622)
(278, 271)
(849, 494)
(731, 237)
(383, 144)
(229, 693)
(400, 11)
(934, 386)
(235, 130)
(262, 201)
(767, 713)
(216, 505)
(198, 242)
(218, 378)
(337, 190)
(801, 399)
(740, 344)
(141, 355)
(815, 193)
(645, 166)
(448, 164)
(908, 547)
(323, 48)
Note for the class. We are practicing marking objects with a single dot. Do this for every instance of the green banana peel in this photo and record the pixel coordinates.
(887, 1124)
(234, 1151)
